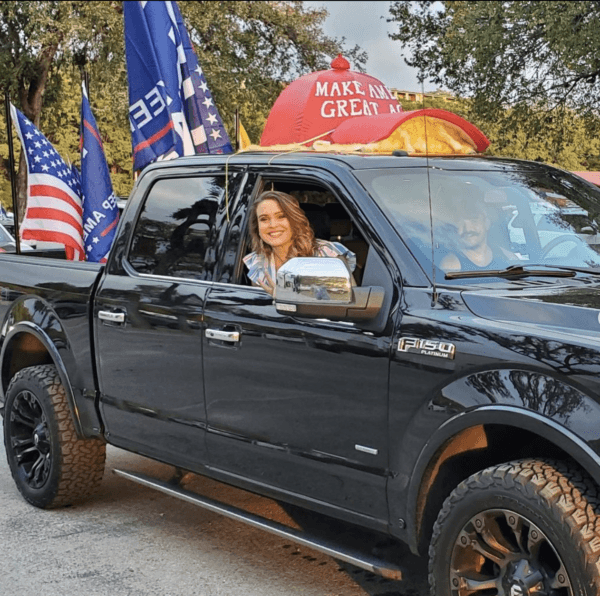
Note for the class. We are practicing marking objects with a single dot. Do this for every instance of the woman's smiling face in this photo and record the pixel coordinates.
(273, 226)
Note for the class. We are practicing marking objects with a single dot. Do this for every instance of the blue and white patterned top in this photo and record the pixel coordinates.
(262, 272)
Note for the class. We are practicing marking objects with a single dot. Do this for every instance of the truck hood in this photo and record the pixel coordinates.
(569, 308)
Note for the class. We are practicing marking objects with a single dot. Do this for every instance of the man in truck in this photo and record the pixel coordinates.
(474, 252)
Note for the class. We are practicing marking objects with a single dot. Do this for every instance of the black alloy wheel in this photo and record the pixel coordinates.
(30, 440)
(525, 528)
(51, 465)
(499, 551)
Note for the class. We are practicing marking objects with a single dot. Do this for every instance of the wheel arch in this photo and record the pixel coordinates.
(470, 442)
(26, 344)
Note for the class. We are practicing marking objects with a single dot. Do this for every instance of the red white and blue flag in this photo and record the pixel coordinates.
(171, 110)
(100, 211)
(54, 199)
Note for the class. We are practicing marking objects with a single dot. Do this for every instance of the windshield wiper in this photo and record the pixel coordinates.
(513, 271)
(588, 270)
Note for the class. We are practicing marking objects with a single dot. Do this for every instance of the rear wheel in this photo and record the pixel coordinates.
(525, 528)
(50, 464)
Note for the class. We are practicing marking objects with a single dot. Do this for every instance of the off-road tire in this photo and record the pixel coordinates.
(51, 466)
(558, 499)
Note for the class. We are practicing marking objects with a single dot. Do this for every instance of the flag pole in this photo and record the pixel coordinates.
(11, 165)
(238, 144)
(86, 81)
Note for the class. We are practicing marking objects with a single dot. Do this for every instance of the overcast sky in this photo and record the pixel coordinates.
(364, 24)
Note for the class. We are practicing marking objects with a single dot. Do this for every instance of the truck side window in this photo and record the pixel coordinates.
(173, 235)
(329, 220)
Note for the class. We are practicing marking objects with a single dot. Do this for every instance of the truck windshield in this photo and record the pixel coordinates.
(490, 220)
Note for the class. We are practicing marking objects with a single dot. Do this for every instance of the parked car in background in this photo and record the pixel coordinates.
(7, 239)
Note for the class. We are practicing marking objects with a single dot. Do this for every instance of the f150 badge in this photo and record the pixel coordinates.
(427, 347)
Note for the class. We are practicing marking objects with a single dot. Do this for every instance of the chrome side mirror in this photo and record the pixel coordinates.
(314, 279)
(321, 287)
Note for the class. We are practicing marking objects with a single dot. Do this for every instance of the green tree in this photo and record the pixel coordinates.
(40, 39)
(528, 67)
(61, 125)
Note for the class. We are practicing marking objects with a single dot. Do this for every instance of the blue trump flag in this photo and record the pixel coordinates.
(100, 212)
(171, 110)
(202, 117)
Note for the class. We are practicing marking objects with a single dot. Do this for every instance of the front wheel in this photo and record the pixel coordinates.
(525, 528)
(50, 464)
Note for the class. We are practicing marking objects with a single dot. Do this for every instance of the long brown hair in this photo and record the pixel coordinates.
(304, 242)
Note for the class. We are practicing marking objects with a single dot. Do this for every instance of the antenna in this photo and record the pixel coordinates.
(434, 295)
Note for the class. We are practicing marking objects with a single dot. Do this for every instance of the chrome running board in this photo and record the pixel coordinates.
(328, 547)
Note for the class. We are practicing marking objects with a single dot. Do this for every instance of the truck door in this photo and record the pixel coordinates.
(295, 404)
(148, 317)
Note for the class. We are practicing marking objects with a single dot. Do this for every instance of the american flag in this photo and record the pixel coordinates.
(54, 198)
(171, 110)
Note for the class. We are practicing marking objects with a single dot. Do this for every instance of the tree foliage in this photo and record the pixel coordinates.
(528, 67)
(38, 39)
(39, 42)
(507, 52)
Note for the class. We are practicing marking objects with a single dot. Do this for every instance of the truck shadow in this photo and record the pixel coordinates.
(414, 569)
(119, 491)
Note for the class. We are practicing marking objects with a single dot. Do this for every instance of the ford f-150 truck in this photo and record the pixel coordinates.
(454, 408)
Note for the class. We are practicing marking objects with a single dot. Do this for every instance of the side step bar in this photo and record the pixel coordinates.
(328, 547)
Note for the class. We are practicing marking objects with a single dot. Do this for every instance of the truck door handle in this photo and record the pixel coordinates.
(111, 317)
(231, 336)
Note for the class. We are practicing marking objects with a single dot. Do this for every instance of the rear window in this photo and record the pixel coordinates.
(173, 234)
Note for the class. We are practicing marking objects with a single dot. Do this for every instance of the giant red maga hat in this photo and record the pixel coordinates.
(317, 103)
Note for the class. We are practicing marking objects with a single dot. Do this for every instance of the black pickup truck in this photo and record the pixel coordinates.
(455, 408)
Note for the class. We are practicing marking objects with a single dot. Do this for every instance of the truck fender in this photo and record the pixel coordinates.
(34, 336)
(560, 424)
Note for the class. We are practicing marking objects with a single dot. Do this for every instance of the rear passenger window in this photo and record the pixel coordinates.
(173, 235)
